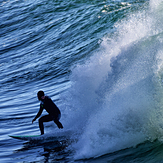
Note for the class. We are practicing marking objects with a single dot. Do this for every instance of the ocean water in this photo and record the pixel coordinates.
(102, 64)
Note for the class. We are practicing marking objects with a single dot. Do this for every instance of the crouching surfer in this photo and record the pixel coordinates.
(51, 108)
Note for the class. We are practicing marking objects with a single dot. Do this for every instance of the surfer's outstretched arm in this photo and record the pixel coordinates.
(38, 114)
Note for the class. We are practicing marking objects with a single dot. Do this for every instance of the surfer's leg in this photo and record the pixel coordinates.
(45, 118)
(58, 123)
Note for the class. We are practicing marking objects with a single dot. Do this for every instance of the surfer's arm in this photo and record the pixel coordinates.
(39, 113)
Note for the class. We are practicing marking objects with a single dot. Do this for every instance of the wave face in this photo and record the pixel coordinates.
(117, 95)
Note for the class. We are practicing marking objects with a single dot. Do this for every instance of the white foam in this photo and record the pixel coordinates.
(115, 99)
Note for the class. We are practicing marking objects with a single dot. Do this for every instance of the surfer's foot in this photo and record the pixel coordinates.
(59, 125)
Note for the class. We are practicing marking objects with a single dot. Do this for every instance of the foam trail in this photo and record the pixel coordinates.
(117, 94)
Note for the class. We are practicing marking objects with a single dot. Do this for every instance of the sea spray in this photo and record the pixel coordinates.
(115, 98)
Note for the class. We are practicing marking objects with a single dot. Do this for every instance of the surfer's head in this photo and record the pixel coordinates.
(40, 94)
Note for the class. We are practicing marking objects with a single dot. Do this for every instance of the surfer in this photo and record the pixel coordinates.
(51, 108)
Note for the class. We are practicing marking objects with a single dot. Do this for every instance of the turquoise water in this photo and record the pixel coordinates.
(100, 61)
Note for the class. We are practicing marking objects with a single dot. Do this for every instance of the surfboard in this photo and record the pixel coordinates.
(57, 136)
(26, 137)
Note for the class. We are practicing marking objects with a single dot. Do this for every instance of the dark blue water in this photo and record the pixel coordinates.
(102, 64)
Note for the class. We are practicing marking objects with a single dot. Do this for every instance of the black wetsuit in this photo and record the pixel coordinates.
(52, 109)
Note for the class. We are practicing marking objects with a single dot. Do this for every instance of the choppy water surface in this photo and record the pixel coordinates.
(101, 63)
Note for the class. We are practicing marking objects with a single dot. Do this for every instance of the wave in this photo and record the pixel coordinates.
(115, 98)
